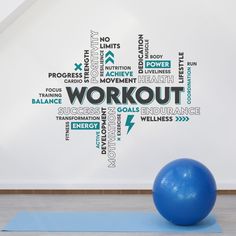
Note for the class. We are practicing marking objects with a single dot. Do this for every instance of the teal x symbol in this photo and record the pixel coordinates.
(78, 66)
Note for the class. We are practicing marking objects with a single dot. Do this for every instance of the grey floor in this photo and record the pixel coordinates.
(225, 209)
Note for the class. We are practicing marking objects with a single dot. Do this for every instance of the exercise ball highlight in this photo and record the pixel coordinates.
(184, 191)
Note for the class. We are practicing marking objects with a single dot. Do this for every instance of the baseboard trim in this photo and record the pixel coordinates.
(74, 191)
(228, 191)
(90, 191)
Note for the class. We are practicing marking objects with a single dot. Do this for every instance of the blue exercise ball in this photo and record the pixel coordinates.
(184, 191)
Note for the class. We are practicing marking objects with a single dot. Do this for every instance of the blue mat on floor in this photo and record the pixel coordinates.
(103, 222)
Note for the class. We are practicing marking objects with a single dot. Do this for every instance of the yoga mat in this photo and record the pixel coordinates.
(103, 222)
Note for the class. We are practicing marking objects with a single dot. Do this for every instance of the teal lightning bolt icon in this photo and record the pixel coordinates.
(128, 122)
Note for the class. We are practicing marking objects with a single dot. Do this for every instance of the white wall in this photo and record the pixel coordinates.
(11, 9)
(7, 7)
(51, 36)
